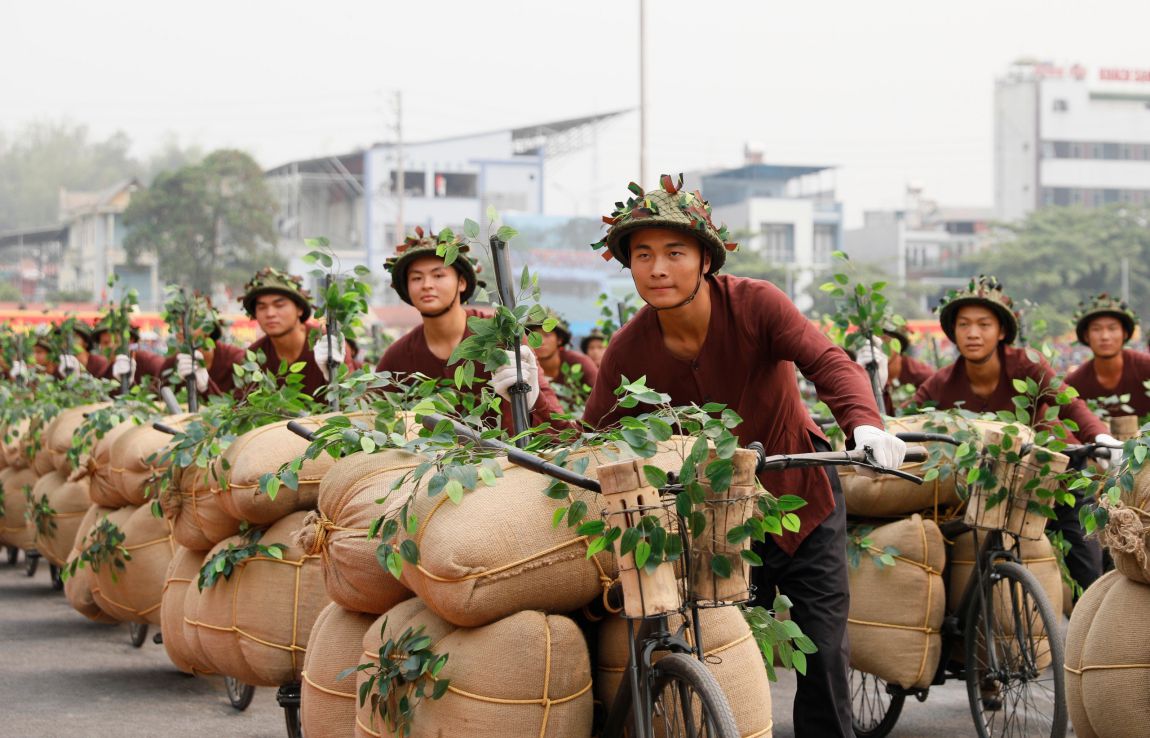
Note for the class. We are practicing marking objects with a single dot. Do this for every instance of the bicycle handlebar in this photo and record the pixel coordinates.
(858, 457)
(919, 437)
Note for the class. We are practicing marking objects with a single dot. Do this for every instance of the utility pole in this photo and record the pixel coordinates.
(1126, 278)
(400, 184)
(643, 92)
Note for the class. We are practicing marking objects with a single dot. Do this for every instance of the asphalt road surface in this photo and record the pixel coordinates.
(62, 675)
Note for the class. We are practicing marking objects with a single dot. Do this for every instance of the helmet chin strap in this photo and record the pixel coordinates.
(444, 311)
(689, 300)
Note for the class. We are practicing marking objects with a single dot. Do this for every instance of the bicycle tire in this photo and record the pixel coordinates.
(874, 709)
(13, 555)
(31, 564)
(137, 634)
(239, 694)
(681, 673)
(57, 581)
(1022, 697)
(292, 722)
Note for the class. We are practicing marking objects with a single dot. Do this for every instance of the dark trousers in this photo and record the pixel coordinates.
(815, 579)
(1084, 559)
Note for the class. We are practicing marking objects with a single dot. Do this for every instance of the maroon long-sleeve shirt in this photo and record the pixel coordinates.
(411, 354)
(950, 386)
(755, 339)
(221, 377)
(149, 367)
(1135, 371)
(574, 358)
(913, 372)
(313, 379)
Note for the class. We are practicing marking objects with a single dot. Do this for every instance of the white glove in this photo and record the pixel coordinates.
(887, 449)
(69, 365)
(873, 352)
(19, 369)
(124, 366)
(1105, 439)
(321, 353)
(503, 377)
(186, 366)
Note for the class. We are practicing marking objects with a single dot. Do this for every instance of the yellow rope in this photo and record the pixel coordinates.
(325, 690)
(1105, 667)
(914, 628)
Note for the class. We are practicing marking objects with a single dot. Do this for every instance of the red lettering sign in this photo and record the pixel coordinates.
(1124, 75)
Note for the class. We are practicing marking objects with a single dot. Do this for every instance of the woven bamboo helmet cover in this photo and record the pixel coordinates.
(429, 244)
(562, 327)
(664, 207)
(985, 291)
(1104, 304)
(272, 281)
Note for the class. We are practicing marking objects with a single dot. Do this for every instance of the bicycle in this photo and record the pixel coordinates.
(1010, 634)
(675, 693)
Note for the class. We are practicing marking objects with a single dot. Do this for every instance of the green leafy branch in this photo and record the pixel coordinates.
(859, 543)
(106, 546)
(225, 561)
(40, 514)
(779, 637)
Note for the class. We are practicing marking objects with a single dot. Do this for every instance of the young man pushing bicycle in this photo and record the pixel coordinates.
(705, 337)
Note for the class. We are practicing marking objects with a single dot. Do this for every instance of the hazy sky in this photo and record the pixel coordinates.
(888, 91)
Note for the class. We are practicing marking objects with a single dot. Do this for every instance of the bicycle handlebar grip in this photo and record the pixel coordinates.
(300, 431)
(915, 455)
(165, 428)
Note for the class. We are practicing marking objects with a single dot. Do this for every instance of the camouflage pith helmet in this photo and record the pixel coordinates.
(428, 244)
(665, 207)
(562, 327)
(595, 335)
(898, 331)
(1104, 304)
(272, 281)
(104, 324)
(986, 292)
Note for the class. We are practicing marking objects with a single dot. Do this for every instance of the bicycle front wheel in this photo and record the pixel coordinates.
(687, 702)
(1014, 658)
(874, 706)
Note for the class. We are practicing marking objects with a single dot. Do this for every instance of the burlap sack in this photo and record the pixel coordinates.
(338, 531)
(264, 450)
(1127, 534)
(192, 504)
(59, 438)
(1038, 556)
(327, 708)
(78, 587)
(1108, 660)
(194, 628)
(133, 594)
(896, 612)
(70, 503)
(181, 574)
(412, 613)
(42, 459)
(134, 466)
(14, 439)
(255, 625)
(733, 658)
(497, 553)
(890, 497)
(547, 694)
(103, 488)
(14, 529)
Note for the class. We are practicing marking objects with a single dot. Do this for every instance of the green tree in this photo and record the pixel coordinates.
(1058, 256)
(208, 222)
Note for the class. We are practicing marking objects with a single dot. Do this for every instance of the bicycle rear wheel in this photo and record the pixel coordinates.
(239, 694)
(687, 703)
(874, 707)
(1014, 658)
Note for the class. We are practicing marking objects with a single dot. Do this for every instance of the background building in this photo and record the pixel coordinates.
(1070, 136)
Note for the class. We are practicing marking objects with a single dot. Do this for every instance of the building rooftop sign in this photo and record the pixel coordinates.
(1119, 74)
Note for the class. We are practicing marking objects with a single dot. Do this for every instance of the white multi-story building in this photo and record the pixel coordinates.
(1070, 136)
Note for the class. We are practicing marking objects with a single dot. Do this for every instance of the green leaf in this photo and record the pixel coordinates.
(721, 566)
(642, 553)
(454, 491)
(656, 477)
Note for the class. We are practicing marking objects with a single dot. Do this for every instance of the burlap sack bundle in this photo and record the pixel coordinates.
(327, 708)
(133, 594)
(896, 612)
(69, 502)
(1037, 556)
(497, 553)
(64, 426)
(103, 488)
(255, 625)
(14, 439)
(891, 497)
(546, 694)
(338, 531)
(182, 574)
(192, 629)
(262, 451)
(1127, 533)
(733, 658)
(14, 529)
(42, 459)
(1108, 660)
(78, 587)
(133, 458)
(192, 503)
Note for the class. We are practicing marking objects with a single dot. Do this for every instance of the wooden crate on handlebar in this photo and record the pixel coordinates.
(1005, 497)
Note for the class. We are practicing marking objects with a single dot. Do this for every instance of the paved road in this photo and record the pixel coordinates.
(61, 674)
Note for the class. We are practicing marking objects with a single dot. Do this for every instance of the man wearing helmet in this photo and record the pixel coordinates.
(981, 322)
(704, 337)
(439, 291)
(213, 364)
(553, 354)
(280, 304)
(136, 364)
(897, 368)
(1105, 324)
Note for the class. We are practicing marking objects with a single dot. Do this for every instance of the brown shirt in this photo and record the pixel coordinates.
(221, 377)
(950, 386)
(411, 354)
(313, 379)
(1135, 371)
(755, 339)
(96, 364)
(913, 372)
(149, 367)
(573, 358)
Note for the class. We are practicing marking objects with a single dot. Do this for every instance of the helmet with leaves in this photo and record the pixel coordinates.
(1104, 304)
(446, 245)
(272, 281)
(985, 291)
(562, 327)
(665, 207)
